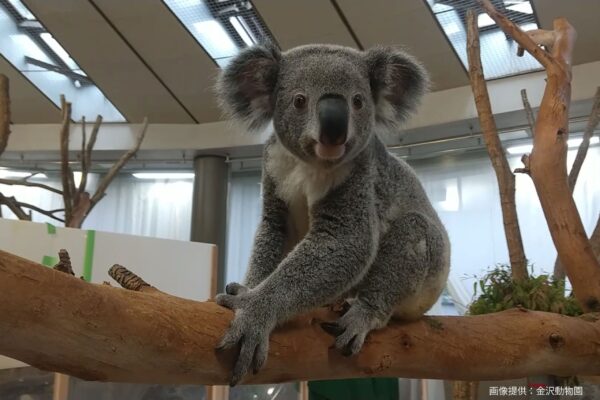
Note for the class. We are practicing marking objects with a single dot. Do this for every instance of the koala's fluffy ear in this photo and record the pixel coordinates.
(398, 82)
(246, 86)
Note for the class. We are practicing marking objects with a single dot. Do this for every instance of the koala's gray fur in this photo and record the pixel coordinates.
(359, 225)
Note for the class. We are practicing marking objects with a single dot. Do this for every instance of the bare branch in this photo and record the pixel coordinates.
(108, 178)
(15, 207)
(66, 173)
(87, 155)
(49, 214)
(81, 187)
(13, 182)
(4, 112)
(592, 123)
(528, 111)
(506, 180)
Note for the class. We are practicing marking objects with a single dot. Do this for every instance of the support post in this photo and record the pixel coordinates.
(209, 207)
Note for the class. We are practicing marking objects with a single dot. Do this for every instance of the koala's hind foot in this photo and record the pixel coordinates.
(351, 329)
(406, 278)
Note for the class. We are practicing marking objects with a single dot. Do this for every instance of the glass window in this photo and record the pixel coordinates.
(25, 43)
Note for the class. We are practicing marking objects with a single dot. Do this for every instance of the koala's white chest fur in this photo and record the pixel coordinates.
(300, 185)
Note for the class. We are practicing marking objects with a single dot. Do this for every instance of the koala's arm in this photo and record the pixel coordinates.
(333, 256)
(270, 236)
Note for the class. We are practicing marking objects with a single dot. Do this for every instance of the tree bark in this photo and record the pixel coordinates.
(547, 162)
(57, 322)
(593, 121)
(505, 177)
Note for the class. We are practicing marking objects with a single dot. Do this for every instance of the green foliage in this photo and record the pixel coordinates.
(540, 293)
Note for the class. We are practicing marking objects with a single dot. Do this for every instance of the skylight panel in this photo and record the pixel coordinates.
(25, 43)
(221, 27)
(498, 52)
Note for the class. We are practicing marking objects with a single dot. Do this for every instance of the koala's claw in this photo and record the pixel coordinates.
(254, 347)
(350, 330)
(332, 328)
(253, 354)
(235, 288)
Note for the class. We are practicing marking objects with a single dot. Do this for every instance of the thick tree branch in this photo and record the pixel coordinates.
(592, 123)
(595, 239)
(547, 162)
(109, 334)
(506, 179)
(4, 113)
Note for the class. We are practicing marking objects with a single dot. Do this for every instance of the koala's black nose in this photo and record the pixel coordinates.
(333, 119)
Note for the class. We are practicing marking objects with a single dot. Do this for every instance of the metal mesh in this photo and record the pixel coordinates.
(222, 27)
(498, 52)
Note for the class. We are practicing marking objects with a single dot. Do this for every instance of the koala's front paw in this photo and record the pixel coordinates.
(351, 329)
(250, 329)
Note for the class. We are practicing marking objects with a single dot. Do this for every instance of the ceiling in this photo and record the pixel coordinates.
(148, 64)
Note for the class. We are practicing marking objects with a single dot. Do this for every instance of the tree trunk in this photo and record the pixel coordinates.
(547, 163)
(593, 121)
(57, 322)
(505, 177)
(595, 239)
(4, 113)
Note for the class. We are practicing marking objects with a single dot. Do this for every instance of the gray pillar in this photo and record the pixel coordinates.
(209, 206)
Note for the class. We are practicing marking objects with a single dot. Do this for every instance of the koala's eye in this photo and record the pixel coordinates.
(299, 101)
(357, 101)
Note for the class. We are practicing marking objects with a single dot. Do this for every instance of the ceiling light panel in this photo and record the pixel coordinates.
(498, 52)
(221, 27)
(25, 43)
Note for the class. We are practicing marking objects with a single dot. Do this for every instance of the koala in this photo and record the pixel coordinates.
(341, 217)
